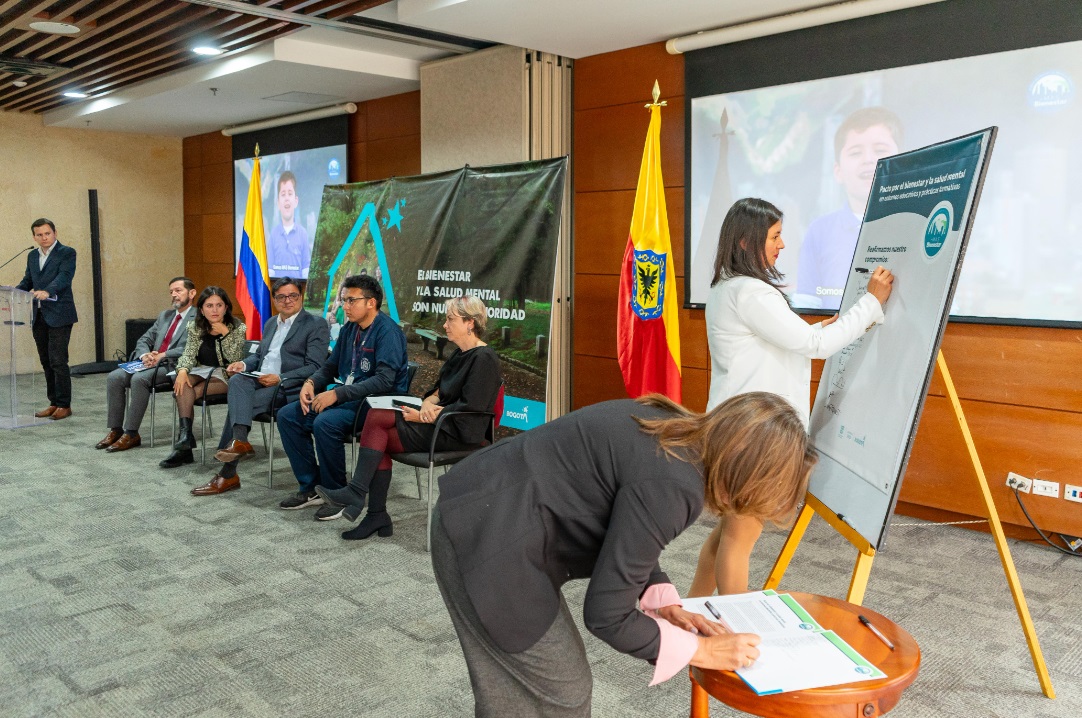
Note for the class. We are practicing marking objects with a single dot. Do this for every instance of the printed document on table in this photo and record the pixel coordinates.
(796, 653)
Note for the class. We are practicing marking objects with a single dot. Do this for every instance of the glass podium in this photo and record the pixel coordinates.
(21, 377)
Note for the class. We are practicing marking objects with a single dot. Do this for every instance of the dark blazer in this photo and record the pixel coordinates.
(303, 351)
(55, 278)
(588, 495)
(152, 338)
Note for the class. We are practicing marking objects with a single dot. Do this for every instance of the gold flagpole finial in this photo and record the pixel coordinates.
(656, 94)
(257, 149)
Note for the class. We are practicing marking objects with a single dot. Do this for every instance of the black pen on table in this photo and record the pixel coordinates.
(877, 632)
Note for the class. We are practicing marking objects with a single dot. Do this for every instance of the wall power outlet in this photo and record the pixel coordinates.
(1016, 481)
(1072, 493)
(1046, 488)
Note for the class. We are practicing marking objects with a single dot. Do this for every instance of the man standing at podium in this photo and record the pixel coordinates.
(49, 271)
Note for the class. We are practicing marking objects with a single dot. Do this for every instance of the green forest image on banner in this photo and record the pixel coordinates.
(490, 232)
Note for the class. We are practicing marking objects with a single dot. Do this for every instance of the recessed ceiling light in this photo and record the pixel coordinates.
(55, 28)
(19, 83)
(76, 95)
(206, 50)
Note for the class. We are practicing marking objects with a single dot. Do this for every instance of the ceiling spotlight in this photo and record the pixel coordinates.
(76, 95)
(19, 83)
(206, 50)
(55, 28)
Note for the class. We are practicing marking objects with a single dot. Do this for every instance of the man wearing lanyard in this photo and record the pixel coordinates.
(368, 359)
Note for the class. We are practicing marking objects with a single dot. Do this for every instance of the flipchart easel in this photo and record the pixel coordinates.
(866, 552)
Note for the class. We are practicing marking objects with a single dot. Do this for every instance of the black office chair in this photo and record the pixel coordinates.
(279, 398)
(159, 383)
(431, 459)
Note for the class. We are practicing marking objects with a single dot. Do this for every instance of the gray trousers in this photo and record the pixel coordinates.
(550, 679)
(138, 385)
(246, 399)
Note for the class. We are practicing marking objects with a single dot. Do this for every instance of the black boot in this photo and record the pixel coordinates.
(182, 449)
(377, 520)
(356, 491)
(179, 457)
(185, 437)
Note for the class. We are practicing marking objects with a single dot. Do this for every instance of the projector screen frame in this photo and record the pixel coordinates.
(869, 44)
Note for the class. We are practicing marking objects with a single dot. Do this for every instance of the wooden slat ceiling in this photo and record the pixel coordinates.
(124, 42)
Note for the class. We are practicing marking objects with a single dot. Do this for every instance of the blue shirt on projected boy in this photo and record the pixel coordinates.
(288, 252)
(375, 358)
(825, 257)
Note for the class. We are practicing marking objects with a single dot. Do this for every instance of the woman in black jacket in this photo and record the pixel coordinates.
(598, 494)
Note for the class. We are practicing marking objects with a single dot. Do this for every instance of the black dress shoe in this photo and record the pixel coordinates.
(373, 523)
(179, 457)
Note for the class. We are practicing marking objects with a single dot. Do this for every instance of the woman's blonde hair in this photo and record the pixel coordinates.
(467, 307)
(755, 453)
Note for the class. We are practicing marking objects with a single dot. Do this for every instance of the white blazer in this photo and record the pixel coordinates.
(757, 343)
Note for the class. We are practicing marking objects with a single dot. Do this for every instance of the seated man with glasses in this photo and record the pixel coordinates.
(294, 345)
(368, 359)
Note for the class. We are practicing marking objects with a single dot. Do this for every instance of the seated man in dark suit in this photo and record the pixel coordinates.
(49, 271)
(164, 341)
(368, 359)
(294, 345)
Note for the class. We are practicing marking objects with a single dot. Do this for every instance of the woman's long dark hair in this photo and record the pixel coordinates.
(201, 321)
(742, 242)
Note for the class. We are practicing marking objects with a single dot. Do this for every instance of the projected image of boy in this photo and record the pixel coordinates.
(863, 138)
(288, 249)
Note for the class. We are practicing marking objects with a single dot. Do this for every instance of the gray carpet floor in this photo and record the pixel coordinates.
(122, 595)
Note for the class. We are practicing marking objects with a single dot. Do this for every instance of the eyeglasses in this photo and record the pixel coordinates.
(348, 301)
(287, 297)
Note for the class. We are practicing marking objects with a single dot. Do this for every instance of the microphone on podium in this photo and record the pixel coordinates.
(16, 255)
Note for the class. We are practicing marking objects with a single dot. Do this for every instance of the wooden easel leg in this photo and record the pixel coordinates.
(789, 548)
(1001, 540)
(700, 701)
(859, 582)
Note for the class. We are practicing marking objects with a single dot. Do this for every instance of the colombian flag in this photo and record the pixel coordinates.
(253, 281)
(647, 326)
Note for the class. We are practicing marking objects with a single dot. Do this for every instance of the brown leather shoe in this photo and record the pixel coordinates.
(128, 441)
(62, 412)
(235, 450)
(109, 439)
(217, 485)
(47, 411)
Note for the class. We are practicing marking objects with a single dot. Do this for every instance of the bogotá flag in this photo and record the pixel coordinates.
(647, 325)
(253, 281)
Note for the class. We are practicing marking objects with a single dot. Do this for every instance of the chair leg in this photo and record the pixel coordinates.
(417, 473)
(270, 454)
(428, 535)
(203, 435)
(153, 396)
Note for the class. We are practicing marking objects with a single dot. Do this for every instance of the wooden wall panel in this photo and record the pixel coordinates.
(620, 78)
(394, 157)
(595, 379)
(595, 314)
(193, 190)
(217, 181)
(218, 238)
(1019, 385)
(609, 143)
(602, 222)
(193, 241)
(216, 149)
(358, 161)
(395, 116)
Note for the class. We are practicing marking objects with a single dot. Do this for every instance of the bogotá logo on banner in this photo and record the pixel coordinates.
(649, 298)
(1050, 91)
(937, 229)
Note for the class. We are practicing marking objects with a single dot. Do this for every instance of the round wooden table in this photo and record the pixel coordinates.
(853, 700)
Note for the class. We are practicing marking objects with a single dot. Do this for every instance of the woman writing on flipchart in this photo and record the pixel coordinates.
(757, 343)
